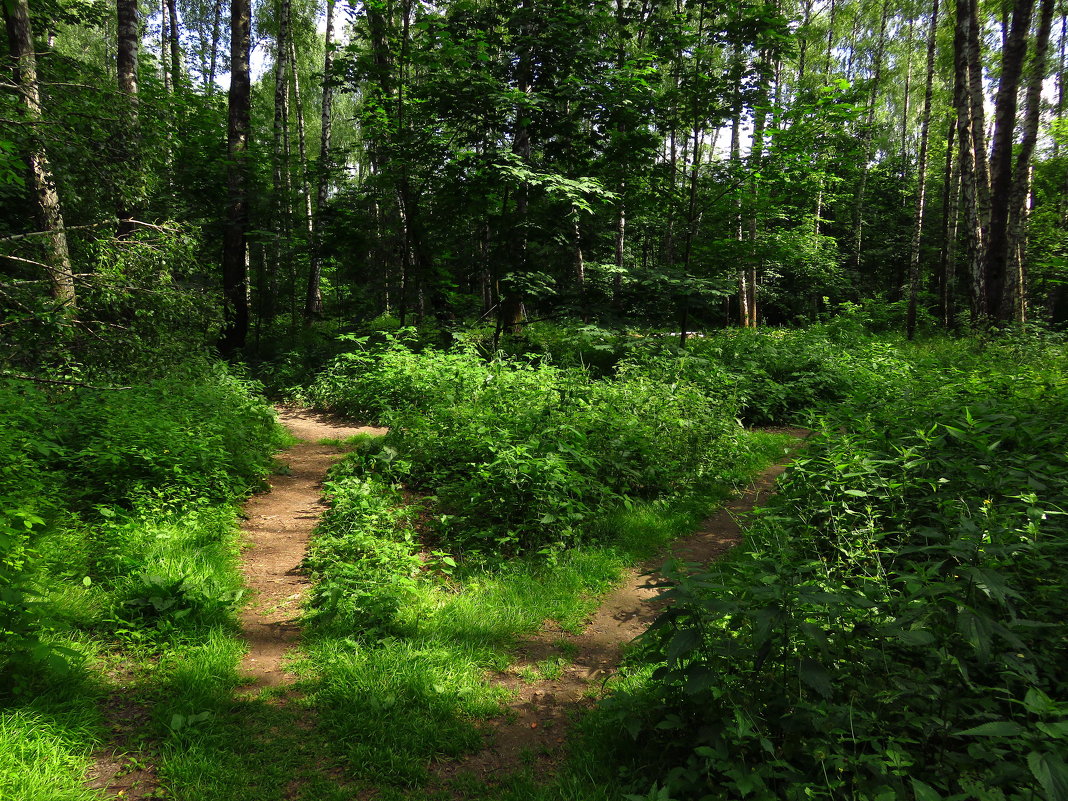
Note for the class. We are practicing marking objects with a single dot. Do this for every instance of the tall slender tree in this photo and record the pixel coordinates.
(313, 300)
(129, 40)
(235, 247)
(45, 195)
(921, 174)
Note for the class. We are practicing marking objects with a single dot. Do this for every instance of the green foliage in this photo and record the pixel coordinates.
(365, 557)
(116, 507)
(894, 626)
(781, 375)
(522, 456)
(201, 434)
(142, 309)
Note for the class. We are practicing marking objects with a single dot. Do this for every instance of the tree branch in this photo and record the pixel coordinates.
(36, 380)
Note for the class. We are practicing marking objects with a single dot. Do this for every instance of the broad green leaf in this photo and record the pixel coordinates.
(924, 791)
(995, 728)
(816, 676)
(1051, 772)
(685, 641)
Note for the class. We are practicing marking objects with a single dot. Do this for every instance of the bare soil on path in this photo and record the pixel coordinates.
(277, 528)
(533, 730)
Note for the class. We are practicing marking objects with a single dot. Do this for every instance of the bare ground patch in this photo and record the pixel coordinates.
(277, 528)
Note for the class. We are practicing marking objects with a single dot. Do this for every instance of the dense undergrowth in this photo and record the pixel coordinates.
(894, 626)
(891, 630)
(117, 543)
(527, 489)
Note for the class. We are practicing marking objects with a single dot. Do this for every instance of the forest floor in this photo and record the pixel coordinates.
(555, 674)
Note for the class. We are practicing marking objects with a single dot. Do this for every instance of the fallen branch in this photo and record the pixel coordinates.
(102, 223)
(36, 380)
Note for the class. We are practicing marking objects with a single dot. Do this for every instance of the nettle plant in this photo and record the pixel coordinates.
(520, 454)
(894, 627)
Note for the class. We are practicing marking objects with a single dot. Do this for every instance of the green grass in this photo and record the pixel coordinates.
(354, 443)
(46, 745)
(216, 741)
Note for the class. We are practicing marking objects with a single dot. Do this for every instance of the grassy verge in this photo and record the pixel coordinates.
(118, 551)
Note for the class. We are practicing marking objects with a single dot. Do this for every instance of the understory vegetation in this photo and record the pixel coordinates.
(891, 628)
(118, 551)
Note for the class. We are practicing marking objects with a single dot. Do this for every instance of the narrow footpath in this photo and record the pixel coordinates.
(537, 719)
(277, 528)
(532, 729)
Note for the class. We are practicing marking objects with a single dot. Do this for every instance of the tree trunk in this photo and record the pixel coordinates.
(1013, 305)
(736, 166)
(620, 242)
(512, 308)
(213, 66)
(129, 38)
(302, 144)
(756, 159)
(578, 259)
(235, 250)
(46, 198)
(164, 59)
(1062, 78)
(869, 142)
(279, 162)
(176, 52)
(921, 175)
(974, 183)
(830, 39)
(950, 215)
(907, 101)
(1001, 156)
(313, 299)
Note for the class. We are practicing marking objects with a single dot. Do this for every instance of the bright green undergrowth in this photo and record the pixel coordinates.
(118, 545)
(523, 456)
(536, 486)
(403, 636)
(891, 630)
(894, 626)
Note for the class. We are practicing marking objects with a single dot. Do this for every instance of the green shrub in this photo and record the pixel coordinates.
(523, 456)
(364, 558)
(778, 375)
(894, 627)
(201, 435)
(116, 505)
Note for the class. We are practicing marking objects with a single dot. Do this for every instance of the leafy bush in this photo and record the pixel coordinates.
(364, 558)
(576, 345)
(521, 456)
(782, 375)
(129, 491)
(894, 627)
(202, 435)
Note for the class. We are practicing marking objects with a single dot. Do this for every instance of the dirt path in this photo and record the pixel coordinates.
(539, 715)
(556, 674)
(277, 528)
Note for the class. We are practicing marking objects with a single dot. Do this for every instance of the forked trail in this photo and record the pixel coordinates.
(277, 529)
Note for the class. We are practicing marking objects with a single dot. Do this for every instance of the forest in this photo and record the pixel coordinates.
(568, 400)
